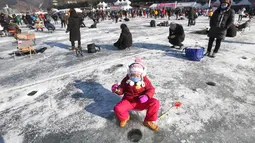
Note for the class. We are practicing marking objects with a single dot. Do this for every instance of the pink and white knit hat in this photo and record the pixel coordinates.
(137, 67)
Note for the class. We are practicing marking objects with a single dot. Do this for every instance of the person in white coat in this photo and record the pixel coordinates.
(241, 14)
(2, 33)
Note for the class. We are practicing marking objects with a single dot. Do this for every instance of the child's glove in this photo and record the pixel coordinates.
(115, 88)
(143, 98)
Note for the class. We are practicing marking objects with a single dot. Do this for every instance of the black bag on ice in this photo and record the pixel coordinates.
(94, 25)
(126, 19)
(153, 23)
(92, 48)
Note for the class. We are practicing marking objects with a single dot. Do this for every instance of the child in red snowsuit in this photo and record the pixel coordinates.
(138, 95)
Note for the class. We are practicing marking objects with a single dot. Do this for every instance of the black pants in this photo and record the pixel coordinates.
(73, 43)
(210, 43)
(191, 22)
(177, 41)
(63, 24)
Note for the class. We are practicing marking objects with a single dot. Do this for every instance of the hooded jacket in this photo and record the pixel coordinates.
(192, 13)
(125, 39)
(131, 93)
(178, 32)
(220, 21)
(73, 26)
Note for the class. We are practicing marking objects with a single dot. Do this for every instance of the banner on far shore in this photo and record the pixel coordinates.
(115, 7)
(161, 5)
(176, 4)
(186, 4)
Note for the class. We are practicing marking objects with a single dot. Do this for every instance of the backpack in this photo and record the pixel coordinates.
(92, 48)
(94, 25)
(194, 53)
(126, 19)
(153, 23)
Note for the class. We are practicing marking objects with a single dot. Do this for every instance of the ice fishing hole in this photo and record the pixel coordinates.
(211, 83)
(32, 93)
(135, 135)
(244, 57)
(119, 65)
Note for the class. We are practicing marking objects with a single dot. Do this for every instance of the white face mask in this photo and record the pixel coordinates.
(135, 79)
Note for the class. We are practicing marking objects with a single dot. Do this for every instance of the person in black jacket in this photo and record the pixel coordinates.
(73, 27)
(191, 16)
(82, 20)
(29, 19)
(61, 17)
(220, 21)
(176, 35)
(125, 40)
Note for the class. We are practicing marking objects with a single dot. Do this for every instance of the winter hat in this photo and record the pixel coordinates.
(172, 25)
(226, 1)
(122, 26)
(137, 68)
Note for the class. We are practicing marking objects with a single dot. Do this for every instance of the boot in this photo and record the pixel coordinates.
(73, 49)
(207, 53)
(151, 125)
(172, 46)
(213, 55)
(181, 46)
(124, 123)
(79, 51)
(79, 47)
(177, 47)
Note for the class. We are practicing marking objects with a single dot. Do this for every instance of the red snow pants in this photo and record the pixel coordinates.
(152, 106)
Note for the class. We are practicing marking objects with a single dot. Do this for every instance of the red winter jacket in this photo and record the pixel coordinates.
(131, 93)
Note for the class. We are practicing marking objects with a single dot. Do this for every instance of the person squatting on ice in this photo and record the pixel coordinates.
(221, 20)
(176, 35)
(73, 26)
(138, 95)
(125, 39)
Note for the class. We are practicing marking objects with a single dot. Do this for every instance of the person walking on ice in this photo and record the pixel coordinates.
(220, 21)
(73, 26)
(138, 95)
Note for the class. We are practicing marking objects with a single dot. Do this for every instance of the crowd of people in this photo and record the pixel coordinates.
(12, 22)
(73, 21)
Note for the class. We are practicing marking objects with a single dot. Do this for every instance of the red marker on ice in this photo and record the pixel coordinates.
(177, 104)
